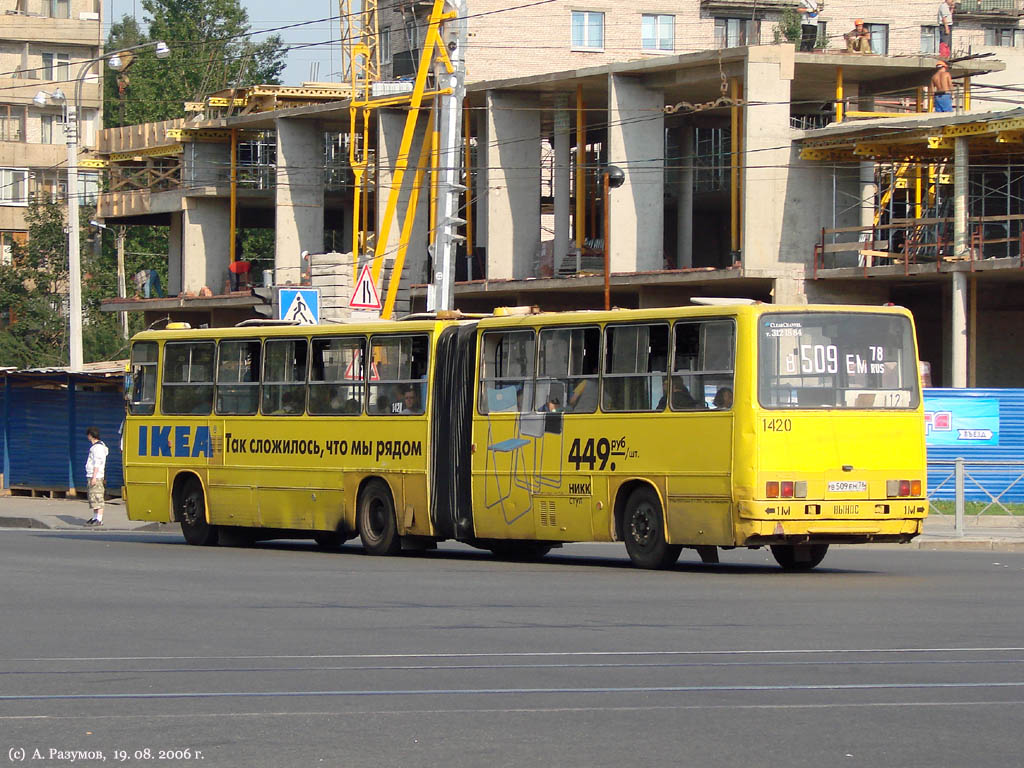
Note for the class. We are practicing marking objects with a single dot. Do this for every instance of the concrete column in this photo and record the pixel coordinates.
(563, 166)
(958, 354)
(960, 171)
(481, 190)
(300, 196)
(174, 256)
(767, 139)
(868, 190)
(513, 206)
(636, 144)
(684, 205)
(206, 164)
(205, 244)
(390, 125)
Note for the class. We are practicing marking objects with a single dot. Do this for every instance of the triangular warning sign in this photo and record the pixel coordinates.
(364, 295)
(352, 371)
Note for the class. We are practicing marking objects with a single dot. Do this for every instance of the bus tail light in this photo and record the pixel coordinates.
(787, 489)
(800, 489)
(771, 489)
(902, 488)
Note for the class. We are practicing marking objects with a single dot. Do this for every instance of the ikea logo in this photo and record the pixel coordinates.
(178, 441)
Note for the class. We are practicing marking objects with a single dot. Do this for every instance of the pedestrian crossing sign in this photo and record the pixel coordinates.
(364, 295)
(299, 305)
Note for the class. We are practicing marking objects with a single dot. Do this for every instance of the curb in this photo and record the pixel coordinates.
(23, 522)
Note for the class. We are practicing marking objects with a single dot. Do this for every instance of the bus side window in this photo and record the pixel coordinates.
(142, 395)
(397, 375)
(336, 376)
(284, 377)
(636, 366)
(188, 378)
(506, 367)
(567, 376)
(702, 365)
(238, 377)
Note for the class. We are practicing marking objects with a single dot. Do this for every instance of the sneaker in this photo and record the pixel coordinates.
(94, 521)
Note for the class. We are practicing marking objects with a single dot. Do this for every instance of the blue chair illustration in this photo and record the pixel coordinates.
(505, 400)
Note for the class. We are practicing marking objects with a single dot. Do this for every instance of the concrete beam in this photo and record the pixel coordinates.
(300, 196)
(390, 125)
(513, 203)
(636, 143)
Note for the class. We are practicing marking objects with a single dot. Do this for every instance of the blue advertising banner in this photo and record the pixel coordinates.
(961, 421)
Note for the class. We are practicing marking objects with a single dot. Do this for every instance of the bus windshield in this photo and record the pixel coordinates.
(836, 360)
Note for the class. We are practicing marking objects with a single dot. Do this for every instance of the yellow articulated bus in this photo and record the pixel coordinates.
(704, 427)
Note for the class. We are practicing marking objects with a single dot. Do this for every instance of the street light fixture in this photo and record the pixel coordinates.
(115, 62)
(612, 178)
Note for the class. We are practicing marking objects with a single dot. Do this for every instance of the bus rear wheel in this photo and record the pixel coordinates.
(378, 529)
(191, 511)
(643, 528)
(799, 557)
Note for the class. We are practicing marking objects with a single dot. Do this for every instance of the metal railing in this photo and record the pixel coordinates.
(980, 471)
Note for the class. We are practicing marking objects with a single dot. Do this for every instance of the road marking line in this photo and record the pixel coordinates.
(527, 654)
(502, 691)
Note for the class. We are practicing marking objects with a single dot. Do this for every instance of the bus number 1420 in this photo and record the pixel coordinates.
(777, 425)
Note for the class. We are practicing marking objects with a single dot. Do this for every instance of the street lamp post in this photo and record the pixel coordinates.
(74, 255)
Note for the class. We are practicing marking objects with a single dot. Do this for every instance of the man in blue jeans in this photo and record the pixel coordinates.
(942, 88)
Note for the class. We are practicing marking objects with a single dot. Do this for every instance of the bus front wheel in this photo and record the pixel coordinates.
(643, 528)
(799, 557)
(378, 529)
(191, 510)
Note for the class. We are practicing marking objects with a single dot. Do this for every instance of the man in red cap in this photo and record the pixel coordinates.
(942, 88)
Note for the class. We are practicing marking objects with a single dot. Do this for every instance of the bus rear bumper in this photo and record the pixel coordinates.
(757, 526)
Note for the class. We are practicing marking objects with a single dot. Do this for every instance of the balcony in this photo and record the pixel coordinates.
(20, 27)
(988, 10)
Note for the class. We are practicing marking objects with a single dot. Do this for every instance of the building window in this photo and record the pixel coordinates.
(1009, 37)
(53, 129)
(13, 186)
(412, 34)
(385, 45)
(879, 38)
(733, 33)
(12, 122)
(657, 32)
(56, 66)
(88, 188)
(588, 30)
(930, 40)
(57, 9)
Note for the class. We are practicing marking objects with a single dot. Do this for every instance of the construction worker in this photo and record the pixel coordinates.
(858, 39)
(942, 88)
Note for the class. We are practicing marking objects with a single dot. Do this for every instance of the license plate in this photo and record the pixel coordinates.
(847, 486)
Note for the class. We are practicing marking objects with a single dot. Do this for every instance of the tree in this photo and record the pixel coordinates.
(210, 51)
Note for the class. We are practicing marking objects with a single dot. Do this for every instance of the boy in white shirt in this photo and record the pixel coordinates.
(95, 465)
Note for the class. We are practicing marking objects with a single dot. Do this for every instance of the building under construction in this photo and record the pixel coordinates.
(759, 172)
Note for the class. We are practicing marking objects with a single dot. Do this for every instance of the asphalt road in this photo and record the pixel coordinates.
(282, 655)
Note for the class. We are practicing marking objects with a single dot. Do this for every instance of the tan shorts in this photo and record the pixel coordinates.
(95, 495)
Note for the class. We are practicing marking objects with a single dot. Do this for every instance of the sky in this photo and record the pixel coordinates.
(303, 63)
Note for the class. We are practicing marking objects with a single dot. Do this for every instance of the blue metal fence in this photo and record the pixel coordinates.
(43, 431)
(992, 462)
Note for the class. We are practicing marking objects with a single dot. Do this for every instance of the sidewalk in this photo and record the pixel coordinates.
(997, 533)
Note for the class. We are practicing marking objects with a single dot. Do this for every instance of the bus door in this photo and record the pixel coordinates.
(505, 451)
(559, 427)
(231, 495)
(286, 487)
(698, 485)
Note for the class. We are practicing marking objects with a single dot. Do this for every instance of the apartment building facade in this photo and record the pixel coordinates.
(531, 38)
(44, 48)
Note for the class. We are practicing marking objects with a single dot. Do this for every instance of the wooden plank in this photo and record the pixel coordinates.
(854, 246)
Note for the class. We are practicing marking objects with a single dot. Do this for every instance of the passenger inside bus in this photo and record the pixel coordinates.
(723, 399)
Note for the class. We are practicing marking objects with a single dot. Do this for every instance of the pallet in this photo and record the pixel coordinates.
(45, 493)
